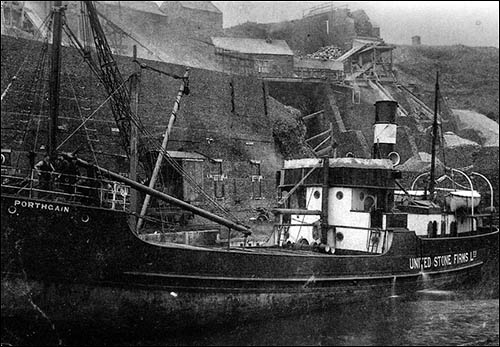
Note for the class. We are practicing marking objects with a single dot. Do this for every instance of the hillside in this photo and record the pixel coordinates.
(230, 118)
(469, 75)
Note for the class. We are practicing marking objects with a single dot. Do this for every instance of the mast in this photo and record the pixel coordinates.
(134, 137)
(54, 81)
(434, 138)
(161, 154)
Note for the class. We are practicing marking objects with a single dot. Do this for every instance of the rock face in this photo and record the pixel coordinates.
(465, 84)
(469, 78)
(476, 125)
(326, 53)
(225, 117)
(329, 26)
(452, 140)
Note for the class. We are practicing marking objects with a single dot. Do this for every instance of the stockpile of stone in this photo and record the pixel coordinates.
(326, 53)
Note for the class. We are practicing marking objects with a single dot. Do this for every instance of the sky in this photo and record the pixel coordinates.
(471, 23)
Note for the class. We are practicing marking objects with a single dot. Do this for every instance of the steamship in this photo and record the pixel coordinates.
(345, 230)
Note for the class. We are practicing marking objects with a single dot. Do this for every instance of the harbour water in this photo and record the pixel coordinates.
(435, 318)
(422, 322)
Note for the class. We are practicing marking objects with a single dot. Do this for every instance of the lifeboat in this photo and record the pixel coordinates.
(462, 199)
(400, 196)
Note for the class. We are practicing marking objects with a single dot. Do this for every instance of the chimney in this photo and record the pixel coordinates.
(384, 129)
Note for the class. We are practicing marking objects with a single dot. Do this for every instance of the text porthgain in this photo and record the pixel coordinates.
(41, 206)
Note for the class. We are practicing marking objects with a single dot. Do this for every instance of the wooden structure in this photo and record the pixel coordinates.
(254, 56)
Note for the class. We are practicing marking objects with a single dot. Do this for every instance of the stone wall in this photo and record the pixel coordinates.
(220, 123)
(200, 19)
(308, 34)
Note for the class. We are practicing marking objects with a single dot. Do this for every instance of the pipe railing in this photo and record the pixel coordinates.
(164, 197)
(83, 190)
(492, 208)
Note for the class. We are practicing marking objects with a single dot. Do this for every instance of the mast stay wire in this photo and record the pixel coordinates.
(83, 123)
(154, 145)
(138, 122)
(36, 83)
(180, 170)
(91, 115)
(45, 22)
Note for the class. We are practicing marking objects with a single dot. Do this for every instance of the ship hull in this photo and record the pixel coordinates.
(99, 271)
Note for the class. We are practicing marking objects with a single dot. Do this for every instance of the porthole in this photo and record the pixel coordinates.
(339, 195)
(317, 194)
(12, 210)
(361, 196)
(339, 236)
(85, 218)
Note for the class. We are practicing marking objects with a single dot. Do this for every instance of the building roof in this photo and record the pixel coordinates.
(361, 41)
(252, 46)
(350, 52)
(356, 163)
(143, 6)
(360, 45)
(193, 156)
(200, 5)
(309, 63)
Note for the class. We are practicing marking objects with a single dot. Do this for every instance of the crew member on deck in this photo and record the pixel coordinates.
(69, 173)
(44, 169)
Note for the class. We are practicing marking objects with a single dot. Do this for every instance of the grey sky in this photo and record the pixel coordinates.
(472, 23)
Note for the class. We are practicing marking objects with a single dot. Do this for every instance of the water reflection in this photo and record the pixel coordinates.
(434, 318)
(392, 322)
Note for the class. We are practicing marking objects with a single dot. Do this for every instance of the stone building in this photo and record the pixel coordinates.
(223, 135)
(254, 56)
(200, 14)
(368, 57)
(324, 25)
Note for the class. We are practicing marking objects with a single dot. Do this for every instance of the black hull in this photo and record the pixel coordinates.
(100, 271)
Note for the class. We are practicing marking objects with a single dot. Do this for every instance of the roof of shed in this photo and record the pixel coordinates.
(144, 6)
(252, 46)
(350, 52)
(358, 163)
(360, 45)
(200, 5)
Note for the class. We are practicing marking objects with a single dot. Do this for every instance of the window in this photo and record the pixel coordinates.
(218, 178)
(263, 66)
(256, 179)
(356, 97)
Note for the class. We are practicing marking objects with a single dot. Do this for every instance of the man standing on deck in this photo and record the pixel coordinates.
(69, 173)
(44, 169)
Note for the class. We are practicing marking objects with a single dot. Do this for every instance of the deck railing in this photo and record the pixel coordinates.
(74, 189)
